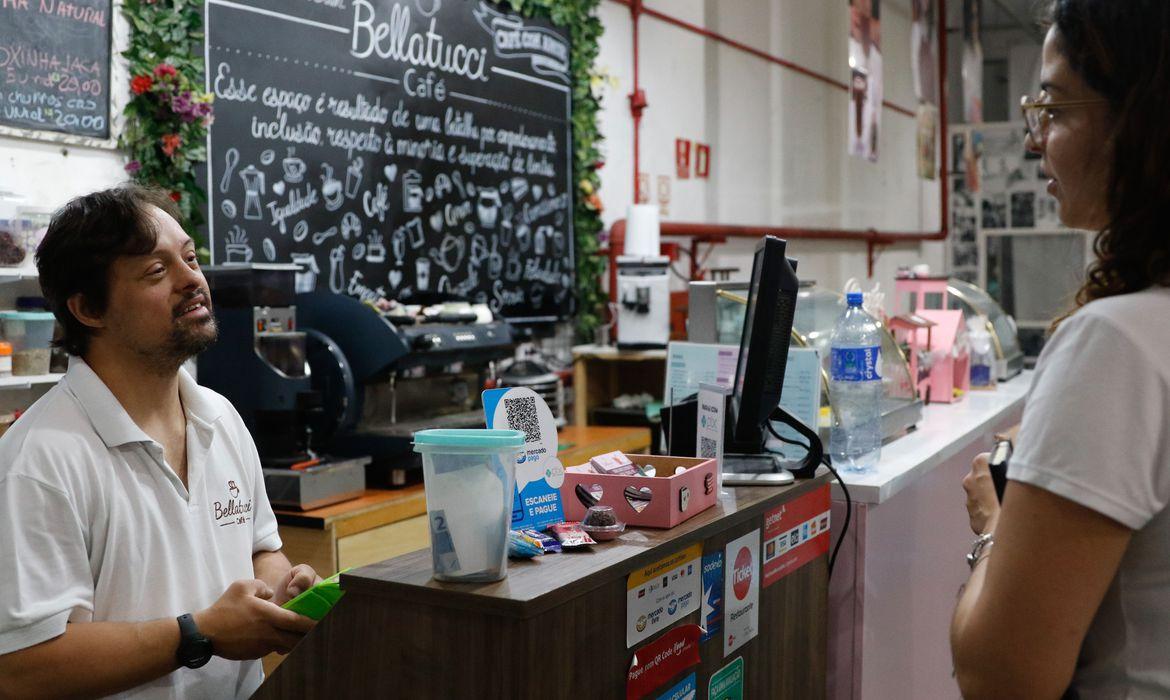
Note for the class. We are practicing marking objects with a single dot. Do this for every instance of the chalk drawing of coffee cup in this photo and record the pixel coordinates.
(238, 252)
(306, 277)
(353, 177)
(412, 192)
(294, 168)
(331, 188)
(422, 273)
(487, 207)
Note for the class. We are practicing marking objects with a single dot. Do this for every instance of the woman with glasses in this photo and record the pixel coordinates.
(1070, 586)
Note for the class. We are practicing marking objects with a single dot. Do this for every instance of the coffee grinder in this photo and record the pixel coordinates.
(643, 284)
(259, 365)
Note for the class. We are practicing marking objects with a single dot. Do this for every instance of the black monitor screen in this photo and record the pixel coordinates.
(763, 349)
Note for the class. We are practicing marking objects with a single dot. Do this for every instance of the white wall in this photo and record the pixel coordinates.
(778, 138)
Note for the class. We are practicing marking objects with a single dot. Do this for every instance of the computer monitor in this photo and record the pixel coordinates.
(763, 356)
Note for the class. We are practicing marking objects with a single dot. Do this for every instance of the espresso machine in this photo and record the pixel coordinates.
(260, 365)
(383, 376)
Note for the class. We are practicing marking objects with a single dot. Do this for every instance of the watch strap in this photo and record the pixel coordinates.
(194, 649)
(979, 548)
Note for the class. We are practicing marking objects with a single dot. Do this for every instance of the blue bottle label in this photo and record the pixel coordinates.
(981, 375)
(855, 364)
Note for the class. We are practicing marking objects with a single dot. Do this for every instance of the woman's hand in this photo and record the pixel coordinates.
(982, 504)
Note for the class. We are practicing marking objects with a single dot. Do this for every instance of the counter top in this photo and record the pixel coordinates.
(537, 585)
(944, 431)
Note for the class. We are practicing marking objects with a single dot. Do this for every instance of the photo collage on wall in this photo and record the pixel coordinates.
(996, 186)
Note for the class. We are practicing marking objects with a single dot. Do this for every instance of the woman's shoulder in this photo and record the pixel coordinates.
(1124, 305)
(1141, 318)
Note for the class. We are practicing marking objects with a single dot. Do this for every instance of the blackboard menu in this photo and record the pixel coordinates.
(403, 149)
(55, 66)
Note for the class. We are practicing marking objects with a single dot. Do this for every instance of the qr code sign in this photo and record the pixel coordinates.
(706, 447)
(522, 416)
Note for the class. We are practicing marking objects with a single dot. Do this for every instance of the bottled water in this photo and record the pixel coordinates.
(855, 389)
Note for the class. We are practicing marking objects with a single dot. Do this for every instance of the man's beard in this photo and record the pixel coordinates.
(185, 341)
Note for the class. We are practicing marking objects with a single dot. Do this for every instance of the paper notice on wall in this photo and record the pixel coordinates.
(865, 85)
(659, 595)
(795, 534)
(801, 397)
(741, 591)
(690, 364)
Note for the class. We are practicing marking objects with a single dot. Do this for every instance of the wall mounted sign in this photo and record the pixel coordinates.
(409, 150)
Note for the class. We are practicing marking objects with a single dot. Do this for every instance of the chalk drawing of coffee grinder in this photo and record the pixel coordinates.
(412, 192)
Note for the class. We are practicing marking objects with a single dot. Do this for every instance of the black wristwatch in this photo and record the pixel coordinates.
(194, 649)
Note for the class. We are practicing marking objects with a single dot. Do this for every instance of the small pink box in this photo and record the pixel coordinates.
(673, 497)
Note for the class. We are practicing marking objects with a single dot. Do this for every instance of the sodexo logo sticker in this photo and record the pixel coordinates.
(742, 575)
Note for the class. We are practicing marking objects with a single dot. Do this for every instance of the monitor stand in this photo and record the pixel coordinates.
(755, 470)
(764, 469)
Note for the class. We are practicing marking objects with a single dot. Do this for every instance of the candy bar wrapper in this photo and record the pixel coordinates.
(551, 544)
(521, 546)
(571, 535)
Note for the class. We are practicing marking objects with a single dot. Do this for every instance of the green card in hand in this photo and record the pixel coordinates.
(316, 601)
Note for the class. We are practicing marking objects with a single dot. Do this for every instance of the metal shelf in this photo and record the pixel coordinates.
(27, 382)
(15, 274)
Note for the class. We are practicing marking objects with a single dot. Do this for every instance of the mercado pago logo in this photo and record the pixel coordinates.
(741, 576)
(233, 510)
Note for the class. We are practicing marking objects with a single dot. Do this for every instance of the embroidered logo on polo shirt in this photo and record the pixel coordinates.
(235, 511)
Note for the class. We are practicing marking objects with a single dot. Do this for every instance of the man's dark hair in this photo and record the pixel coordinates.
(84, 238)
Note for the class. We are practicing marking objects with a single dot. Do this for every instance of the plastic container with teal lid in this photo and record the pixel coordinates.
(469, 478)
(30, 333)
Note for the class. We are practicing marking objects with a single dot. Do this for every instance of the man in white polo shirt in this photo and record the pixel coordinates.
(139, 554)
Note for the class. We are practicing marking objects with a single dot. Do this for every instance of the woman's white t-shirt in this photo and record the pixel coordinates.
(1096, 431)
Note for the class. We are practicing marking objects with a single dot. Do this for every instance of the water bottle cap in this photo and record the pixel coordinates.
(854, 298)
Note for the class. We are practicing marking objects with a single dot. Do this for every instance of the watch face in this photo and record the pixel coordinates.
(196, 653)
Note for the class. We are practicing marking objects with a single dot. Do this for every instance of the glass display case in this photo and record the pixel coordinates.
(972, 300)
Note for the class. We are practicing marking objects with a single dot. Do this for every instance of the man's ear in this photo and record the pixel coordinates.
(80, 310)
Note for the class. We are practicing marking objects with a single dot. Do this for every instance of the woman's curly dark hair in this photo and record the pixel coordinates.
(1121, 48)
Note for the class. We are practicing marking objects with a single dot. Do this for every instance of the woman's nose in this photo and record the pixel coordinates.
(1031, 145)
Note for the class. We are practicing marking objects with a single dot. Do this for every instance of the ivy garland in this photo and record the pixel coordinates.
(168, 116)
(168, 113)
(580, 17)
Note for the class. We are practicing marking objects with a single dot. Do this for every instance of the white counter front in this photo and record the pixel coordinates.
(893, 587)
(944, 431)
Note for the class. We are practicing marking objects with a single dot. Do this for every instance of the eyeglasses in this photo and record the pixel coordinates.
(1038, 112)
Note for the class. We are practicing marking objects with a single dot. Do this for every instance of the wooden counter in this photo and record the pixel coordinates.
(555, 627)
(383, 524)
